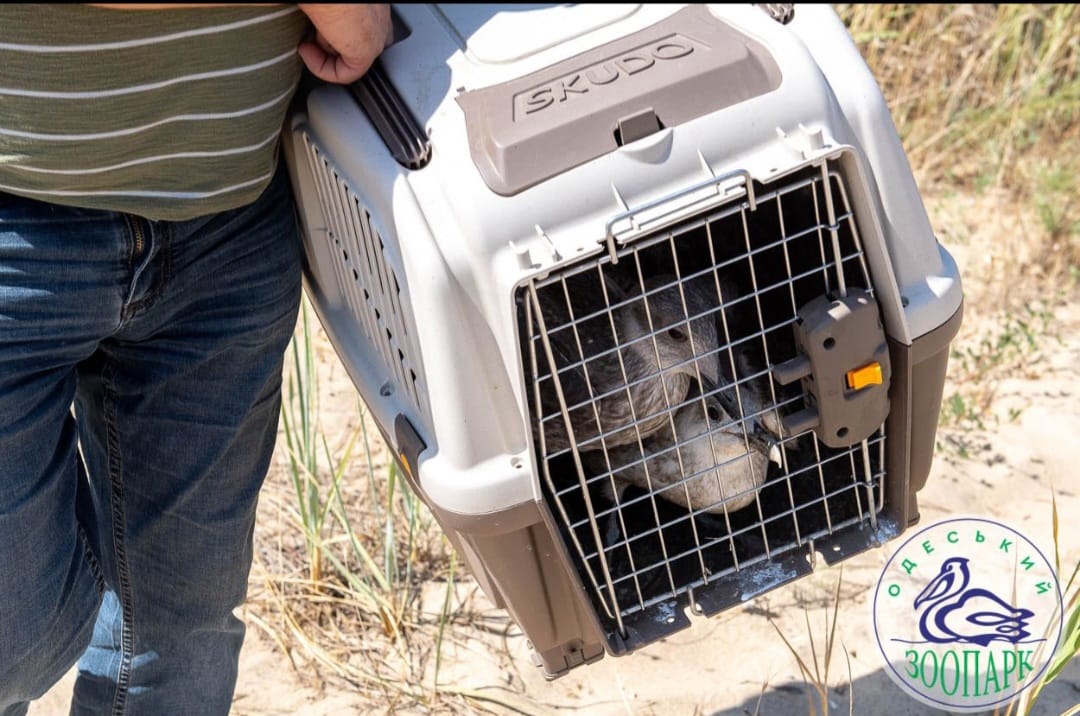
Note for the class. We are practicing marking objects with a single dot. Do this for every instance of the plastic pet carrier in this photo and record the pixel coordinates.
(644, 299)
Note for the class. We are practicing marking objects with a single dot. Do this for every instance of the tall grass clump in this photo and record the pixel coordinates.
(1068, 646)
(987, 97)
(973, 87)
(343, 593)
(816, 674)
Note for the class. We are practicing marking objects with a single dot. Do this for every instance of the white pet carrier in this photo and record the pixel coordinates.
(644, 298)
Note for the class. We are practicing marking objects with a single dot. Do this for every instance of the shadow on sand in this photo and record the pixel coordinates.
(877, 695)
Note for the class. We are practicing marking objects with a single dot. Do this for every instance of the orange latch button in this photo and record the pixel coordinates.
(869, 374)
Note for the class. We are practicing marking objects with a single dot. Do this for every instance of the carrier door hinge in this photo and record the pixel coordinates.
(843, 363)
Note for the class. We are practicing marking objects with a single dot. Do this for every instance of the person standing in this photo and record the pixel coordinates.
(149, 285)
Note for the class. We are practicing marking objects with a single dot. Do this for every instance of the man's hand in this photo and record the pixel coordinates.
(348, 38)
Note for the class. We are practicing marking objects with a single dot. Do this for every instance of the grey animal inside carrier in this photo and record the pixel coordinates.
(643, 298)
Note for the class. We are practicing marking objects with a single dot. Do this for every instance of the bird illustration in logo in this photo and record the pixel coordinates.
(954, 613)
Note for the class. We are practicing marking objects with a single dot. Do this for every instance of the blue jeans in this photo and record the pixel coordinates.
(140, 375)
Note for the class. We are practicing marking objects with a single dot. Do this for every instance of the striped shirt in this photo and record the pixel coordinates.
(169, 114)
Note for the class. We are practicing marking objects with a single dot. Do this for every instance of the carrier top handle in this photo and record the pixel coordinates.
(843, 363)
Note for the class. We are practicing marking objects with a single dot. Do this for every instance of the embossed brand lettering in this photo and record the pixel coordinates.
(604, 73)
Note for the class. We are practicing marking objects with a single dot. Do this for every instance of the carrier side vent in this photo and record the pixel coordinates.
(367, 277)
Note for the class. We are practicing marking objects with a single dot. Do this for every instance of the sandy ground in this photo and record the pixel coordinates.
(723, 665)
(736, 663)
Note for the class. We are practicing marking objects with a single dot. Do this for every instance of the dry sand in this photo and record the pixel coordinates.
(723, 665)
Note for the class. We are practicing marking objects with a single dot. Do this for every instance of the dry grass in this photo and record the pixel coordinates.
(353, 579)
(974, 88)
(816, 676)
(985, 98)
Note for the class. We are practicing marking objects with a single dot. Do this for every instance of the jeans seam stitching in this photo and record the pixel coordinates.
(92, 561)
(126, 309)
(118, 529)
(166, 260)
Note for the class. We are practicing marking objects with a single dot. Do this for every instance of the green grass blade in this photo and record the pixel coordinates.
(443, 618)
(1069, 647)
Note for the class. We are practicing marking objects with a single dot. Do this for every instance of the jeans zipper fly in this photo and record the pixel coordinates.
(140, 238)
(140, 245)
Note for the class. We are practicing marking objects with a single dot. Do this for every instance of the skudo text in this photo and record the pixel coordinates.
(606, 73)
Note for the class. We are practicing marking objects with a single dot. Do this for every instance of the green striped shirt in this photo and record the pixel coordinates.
(169, 114)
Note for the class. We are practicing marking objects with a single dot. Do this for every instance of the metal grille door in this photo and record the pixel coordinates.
(656, 422)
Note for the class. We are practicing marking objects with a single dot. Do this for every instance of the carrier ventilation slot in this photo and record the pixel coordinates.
(366, 277)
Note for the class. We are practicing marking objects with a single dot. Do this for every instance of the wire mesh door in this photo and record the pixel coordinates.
(655, 419)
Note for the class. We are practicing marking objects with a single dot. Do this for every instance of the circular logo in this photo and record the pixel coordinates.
(967, 614)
